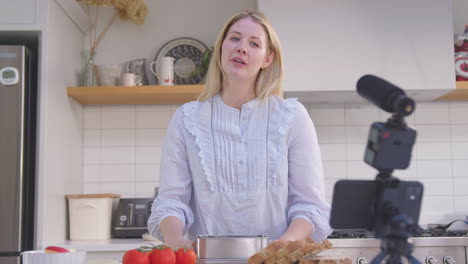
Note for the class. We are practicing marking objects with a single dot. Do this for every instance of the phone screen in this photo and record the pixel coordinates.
(354, 202)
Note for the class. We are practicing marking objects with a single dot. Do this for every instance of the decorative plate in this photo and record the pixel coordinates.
(188, 54)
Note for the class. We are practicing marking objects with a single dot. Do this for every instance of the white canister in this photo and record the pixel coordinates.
(42, 257)
(164, 70)
(90, 216)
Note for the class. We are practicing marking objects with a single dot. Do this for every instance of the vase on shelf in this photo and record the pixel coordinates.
(88, 69)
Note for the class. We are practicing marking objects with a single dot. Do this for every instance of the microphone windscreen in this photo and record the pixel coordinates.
(378, 91)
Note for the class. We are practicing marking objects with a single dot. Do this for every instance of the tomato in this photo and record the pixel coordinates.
(185, 256)
(163, 255)
(136, 256)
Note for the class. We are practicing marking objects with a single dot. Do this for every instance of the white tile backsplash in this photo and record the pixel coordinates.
(145, 189)
(461, 204)
(122, 150)
(327, 117)
(152, 108)
(118, 173)
(459, 132)
(431, 115)
(119, 108)
(117, 119)
(437, 186)
(91, 188)
(92, 138)
(357, 134)
(362, 116)
(437, 204)
(334, 169)
(147, 172)
(433, 133)
(333, 151)
(460, 186)
(331, 134)
(355, 151)
(460, 168)
(91, 173)
(118, 155)
(125, 189)
(434, 168)
(148, 155)
(359, 170)
(91, 156)
(153, 119)
(92, 119)
(118, 138)
(150, 137)
(460, 150)
(458, 114)
(434, 151)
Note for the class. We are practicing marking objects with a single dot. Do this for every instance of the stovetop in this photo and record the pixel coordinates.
(350, 234)
(425, 233)
(444, 233)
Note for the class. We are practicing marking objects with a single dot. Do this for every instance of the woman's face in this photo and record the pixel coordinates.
(245, 50)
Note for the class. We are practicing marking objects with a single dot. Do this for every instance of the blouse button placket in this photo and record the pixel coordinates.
(241, 165)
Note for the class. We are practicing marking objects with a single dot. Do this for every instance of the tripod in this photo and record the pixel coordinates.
(392, 227)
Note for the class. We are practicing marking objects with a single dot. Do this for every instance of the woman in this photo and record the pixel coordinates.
(241, 160)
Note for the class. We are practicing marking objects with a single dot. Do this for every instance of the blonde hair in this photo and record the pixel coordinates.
(269, 79)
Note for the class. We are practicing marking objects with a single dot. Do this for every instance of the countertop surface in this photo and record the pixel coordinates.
(127, 244)
(108, 245)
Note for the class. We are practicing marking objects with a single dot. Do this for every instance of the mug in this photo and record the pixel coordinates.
(130, 79)
(164, 70)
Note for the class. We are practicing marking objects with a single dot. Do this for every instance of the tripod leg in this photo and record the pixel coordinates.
(393, 259)
(378, 259)
(413, 260)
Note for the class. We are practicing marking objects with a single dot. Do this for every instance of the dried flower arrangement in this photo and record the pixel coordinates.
(133, 10)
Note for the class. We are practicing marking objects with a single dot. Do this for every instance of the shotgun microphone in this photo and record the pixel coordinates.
(385, 95)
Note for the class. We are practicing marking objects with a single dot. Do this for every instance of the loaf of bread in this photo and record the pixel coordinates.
(269, 250)
(312, 259)
(310, 248)
(279, 252)
(289, 248)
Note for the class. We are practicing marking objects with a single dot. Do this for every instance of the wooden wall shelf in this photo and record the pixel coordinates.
(179, 94)
(147, 94)
(459, 94)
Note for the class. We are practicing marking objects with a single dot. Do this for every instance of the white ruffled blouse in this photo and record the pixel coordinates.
(248, 172)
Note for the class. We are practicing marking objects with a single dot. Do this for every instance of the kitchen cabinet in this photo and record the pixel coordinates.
(329, 45)
(148, 94)
(20, 14)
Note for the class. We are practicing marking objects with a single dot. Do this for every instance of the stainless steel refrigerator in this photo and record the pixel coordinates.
(17, 151)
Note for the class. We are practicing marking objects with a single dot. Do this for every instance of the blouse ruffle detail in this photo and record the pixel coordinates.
(197, 116)
(281, 124)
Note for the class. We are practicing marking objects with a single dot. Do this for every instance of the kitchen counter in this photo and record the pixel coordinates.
(418, 241)
(108, 245)
(127, 244)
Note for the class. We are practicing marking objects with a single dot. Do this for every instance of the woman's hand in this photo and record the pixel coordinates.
(286, 237)
(180, 243)
(172, 231)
